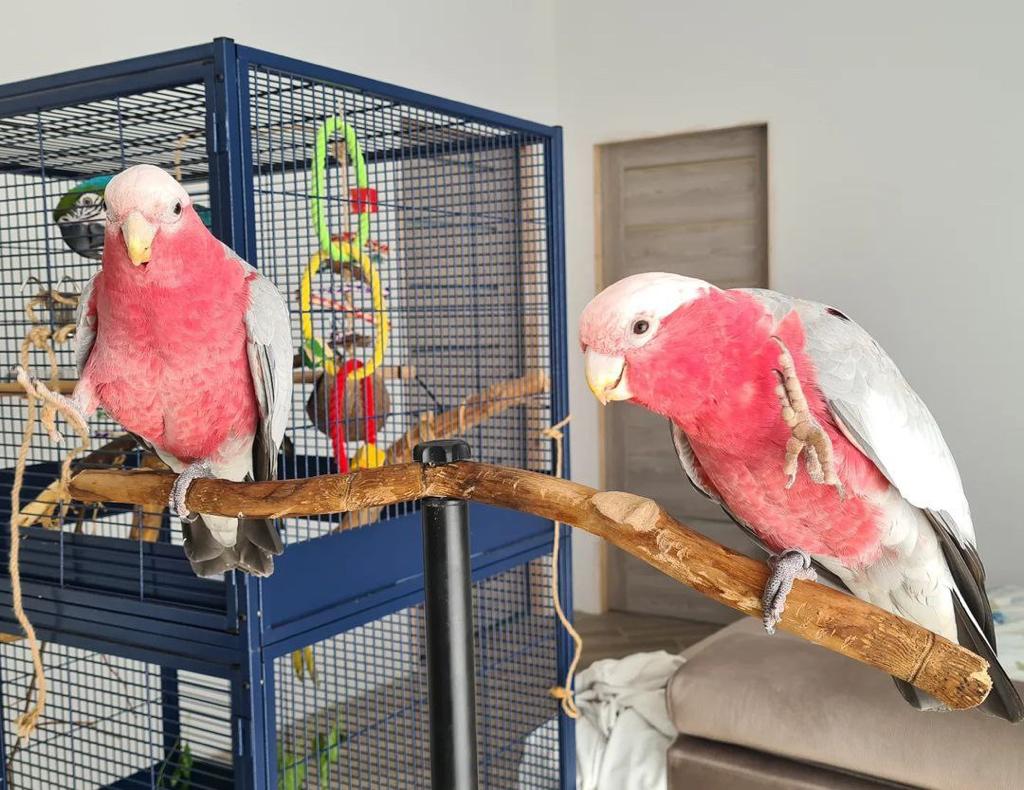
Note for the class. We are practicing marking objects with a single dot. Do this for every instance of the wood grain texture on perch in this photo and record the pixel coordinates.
(640, 526)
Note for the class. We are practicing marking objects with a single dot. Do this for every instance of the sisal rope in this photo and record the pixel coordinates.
(563, 693)
(39, 338)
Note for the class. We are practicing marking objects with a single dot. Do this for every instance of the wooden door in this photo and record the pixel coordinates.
(693, 204)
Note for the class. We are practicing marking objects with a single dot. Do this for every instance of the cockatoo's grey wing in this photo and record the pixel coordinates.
(268, 330)
(269, 348)
(874, 406)
(691, 465)
(85, 324)
(270, 362)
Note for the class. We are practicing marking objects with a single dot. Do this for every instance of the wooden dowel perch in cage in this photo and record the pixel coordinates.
(640, 526)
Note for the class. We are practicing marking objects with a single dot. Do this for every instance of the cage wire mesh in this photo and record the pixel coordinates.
(363, 723)
(113, 722)
(429, 267)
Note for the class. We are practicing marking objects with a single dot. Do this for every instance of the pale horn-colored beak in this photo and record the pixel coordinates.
(138, 237)
(606, 376)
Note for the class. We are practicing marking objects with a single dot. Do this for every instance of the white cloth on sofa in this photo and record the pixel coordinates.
(624, 730)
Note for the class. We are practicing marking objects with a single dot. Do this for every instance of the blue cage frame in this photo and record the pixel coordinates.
(263, 619)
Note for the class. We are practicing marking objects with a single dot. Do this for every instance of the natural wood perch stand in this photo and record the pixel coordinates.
(817, 613)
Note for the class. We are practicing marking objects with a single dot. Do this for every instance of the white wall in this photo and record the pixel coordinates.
(497, 55)
(896, 189)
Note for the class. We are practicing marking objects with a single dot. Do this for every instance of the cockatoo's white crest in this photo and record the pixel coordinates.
(148, 190)
(607, 322)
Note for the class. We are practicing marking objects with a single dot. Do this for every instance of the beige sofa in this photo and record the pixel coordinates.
(755, 711)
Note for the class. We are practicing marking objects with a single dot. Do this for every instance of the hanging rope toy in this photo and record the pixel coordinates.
(363, 198)
(350, 390)
(346, 250)
(40, 338)
(351, 253)
(563, 693)
(60, 304)
(370, 455)
(348, 410)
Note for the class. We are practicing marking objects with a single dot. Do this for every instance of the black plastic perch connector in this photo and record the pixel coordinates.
(451, 679)
(441, 452)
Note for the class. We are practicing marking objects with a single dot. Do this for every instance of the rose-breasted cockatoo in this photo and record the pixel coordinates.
(189, 348)
(752, 380)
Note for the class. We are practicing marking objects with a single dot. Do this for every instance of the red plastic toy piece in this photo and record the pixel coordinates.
(336, 413)
(364, 200)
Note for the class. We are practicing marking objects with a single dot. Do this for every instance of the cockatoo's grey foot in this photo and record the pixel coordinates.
(179, 491)
(785, 568)
(806, 433)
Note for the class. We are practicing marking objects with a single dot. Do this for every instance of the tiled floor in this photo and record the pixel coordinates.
(617, 634)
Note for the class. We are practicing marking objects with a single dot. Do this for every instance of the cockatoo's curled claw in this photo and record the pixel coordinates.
(179, 491)
(786, 567)
(806, 433)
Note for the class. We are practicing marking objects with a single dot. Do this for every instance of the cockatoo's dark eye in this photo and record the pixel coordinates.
(640, 327)
(177, 208)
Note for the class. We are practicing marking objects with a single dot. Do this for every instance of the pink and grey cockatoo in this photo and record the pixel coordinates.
(753, 380)
(188, 347)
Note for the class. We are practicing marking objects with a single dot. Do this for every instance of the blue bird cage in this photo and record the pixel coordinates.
(416, 239)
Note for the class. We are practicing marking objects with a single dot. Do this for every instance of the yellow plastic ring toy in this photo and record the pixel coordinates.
(319, 353)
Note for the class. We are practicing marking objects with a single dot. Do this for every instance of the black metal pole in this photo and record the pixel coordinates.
(449, 623)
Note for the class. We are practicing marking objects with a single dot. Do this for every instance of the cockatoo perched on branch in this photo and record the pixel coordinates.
(188, 347)
(754, 381)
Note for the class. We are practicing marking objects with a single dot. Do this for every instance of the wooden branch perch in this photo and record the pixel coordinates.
(302, 376)
(640, 526)
(41, 509)
(475, 410)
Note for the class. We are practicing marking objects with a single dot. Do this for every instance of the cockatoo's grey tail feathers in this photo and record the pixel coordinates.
(1003, 701)
(199, 544)
(257, 544)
